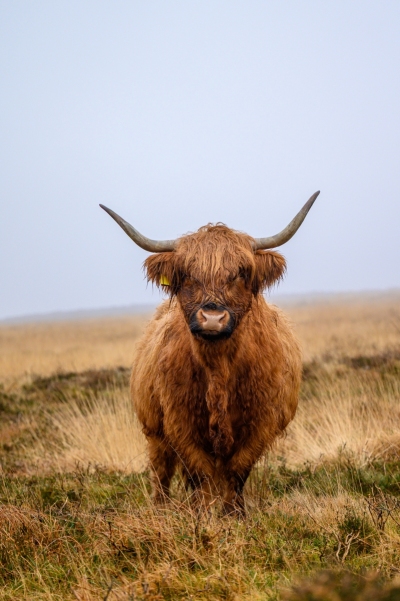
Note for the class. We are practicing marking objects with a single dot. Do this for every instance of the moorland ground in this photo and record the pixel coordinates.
(76, 519)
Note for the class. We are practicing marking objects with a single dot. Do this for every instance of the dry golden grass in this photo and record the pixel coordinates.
(358, 415)
(48, 347)
(102, 431)
(347, 325)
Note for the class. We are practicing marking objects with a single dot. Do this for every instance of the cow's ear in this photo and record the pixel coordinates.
(161, 270)
(270, 268)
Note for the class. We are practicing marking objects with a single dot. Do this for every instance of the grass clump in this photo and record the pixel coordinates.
(75, 535)
(343, 586)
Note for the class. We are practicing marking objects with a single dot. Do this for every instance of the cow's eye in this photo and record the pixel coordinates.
(242, 275)
(188, 282)
(241, 279)
(236, 279)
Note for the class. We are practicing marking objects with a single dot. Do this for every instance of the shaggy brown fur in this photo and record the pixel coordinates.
(214, 406)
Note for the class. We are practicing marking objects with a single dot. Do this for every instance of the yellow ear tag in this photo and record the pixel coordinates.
(164, 281)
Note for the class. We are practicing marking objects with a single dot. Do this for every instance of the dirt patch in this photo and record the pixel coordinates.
(62, 385)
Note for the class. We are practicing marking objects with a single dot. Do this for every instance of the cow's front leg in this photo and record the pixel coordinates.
(233, 498)
(238, 469)
(163, 461)
(202, 493)
(203, 487)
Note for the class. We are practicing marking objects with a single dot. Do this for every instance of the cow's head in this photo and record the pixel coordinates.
(216, 272)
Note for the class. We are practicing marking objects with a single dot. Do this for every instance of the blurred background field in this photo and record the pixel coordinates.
(43, 348)
(326, 325)
(76, 517)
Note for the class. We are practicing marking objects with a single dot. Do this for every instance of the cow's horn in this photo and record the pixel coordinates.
(289, 231)
(153, 246)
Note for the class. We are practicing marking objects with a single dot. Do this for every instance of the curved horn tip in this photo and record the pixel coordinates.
(286, 234)
(311, 201)
(314, 196)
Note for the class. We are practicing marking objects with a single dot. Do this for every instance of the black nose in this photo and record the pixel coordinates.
(213, 307)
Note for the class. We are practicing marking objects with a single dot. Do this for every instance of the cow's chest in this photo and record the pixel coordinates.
(192, 397)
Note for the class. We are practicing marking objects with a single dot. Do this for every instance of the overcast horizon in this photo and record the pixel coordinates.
(179, 114)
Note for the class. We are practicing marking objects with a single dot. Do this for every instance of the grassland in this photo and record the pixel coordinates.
(76, 520)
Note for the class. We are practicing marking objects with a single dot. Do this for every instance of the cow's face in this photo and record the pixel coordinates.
(215, 275)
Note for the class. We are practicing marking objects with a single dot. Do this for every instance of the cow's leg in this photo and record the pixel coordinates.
(202, 490)
(240, 465)
(203, 495)
(163, 461)
(233, 498)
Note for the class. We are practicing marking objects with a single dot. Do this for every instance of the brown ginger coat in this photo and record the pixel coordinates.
(214, 407)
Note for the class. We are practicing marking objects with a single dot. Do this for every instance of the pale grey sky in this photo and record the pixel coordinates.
(180, 113)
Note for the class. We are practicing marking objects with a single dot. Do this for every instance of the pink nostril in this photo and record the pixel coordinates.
(213, 320)
(213, 316)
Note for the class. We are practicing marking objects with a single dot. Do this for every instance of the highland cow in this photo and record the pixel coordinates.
(217, 372)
